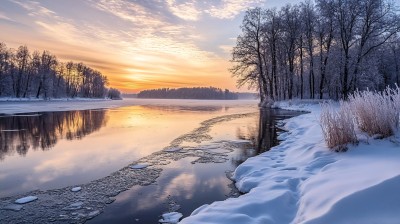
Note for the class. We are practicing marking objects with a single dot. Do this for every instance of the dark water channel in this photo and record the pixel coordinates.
(58, 149)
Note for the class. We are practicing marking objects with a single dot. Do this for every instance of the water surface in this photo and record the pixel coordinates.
(53, 150)
(48, 150)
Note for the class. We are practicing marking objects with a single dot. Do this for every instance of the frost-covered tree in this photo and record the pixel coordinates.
(330, 48)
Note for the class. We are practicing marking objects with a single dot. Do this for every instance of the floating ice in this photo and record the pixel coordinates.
(93, 214)
(26, 199)
(172, 217)
(74, 206)
(13, 207)
(140, 166)
(75, 189)
(240, 141)
(172, 149)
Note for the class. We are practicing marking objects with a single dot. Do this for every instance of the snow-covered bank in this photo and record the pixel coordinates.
(13, 107)
(302, 181)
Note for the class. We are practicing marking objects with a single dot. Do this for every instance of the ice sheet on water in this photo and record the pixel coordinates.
(13, 207)
(172, 149)
(140, 166)
(74, 206)
(26, 199)
(172, 217)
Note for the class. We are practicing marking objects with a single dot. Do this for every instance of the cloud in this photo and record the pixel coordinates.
(228, 9)
(36, 9)
(186, 10)
(4, 17)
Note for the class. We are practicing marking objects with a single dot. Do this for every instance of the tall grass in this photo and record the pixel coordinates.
(376, 113)
(337, 126)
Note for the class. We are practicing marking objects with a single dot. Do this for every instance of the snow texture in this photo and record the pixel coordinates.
(26, 199)
(302, 181)
(172, 217)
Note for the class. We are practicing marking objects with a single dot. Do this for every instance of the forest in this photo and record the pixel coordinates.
(319, 49)
(189, 93)
(24, 75)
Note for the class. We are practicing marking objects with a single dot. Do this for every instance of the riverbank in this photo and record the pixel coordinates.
(302, 181)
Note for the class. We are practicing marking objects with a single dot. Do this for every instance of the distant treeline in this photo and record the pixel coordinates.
(41, 75)
(189, 93)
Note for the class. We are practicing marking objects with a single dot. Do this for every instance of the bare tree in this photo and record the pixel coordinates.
(247, 54)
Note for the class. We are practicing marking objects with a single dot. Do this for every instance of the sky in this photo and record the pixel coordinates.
(137, 44)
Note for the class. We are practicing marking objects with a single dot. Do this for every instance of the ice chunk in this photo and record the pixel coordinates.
(93, 214)
(13, 207)
(172, 149)
(74, 206)
(26, 199)
(75, 189)
(172, 217)
(140, 166)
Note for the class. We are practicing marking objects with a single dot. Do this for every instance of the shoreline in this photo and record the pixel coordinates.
(302, 181)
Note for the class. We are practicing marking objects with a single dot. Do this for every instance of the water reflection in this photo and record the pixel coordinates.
(42, 131)
(173, 108)
(117, 138)
(263, 135)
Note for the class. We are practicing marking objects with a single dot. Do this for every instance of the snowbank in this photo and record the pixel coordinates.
(301, 181)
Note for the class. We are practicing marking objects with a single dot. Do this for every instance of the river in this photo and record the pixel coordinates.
(190, 150)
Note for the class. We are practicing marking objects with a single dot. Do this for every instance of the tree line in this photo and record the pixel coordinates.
(41, 75)
(320, 49)
(189, 93)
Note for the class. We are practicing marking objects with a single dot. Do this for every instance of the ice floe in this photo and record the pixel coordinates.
(140, 166)
(171, 217)
(26, 199)
(76, 189)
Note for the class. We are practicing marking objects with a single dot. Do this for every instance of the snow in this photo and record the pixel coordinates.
(26, 199)
(31, 106)
(76, 189)
(302, 181)
(172, 217)
(140, 166)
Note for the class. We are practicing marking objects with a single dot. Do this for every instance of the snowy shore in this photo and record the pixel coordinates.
(302, 181)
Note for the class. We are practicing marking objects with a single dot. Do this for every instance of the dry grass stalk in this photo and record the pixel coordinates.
(337, 126)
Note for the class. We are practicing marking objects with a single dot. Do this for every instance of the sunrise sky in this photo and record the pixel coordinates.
(138, 44)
